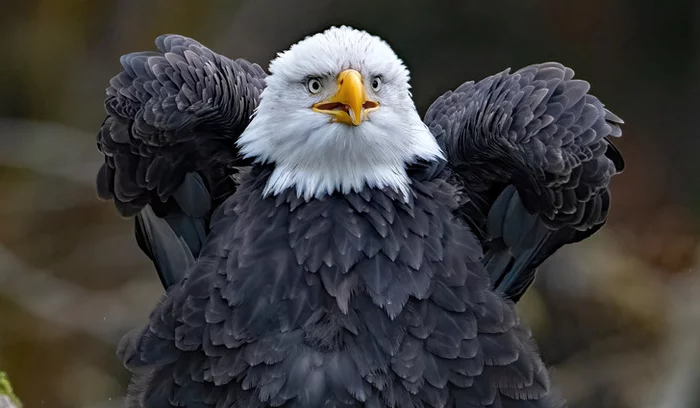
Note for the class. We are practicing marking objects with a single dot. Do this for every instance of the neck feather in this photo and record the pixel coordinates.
(317, 157)
(343, 177)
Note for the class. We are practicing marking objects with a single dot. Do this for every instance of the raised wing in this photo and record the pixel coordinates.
(532, 154)
(173, 118)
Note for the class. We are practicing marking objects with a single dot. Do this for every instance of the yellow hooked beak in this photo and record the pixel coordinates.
(350, 104)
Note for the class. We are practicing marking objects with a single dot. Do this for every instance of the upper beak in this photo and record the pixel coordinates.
(350, 104)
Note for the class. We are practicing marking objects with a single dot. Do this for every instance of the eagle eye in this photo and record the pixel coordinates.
(376, 83)
(314, 85)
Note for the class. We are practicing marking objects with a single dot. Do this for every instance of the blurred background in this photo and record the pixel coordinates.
(617, 317)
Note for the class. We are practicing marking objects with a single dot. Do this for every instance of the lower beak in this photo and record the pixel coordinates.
(350, 104)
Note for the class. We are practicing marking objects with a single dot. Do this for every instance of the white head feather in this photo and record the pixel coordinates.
(317, 156)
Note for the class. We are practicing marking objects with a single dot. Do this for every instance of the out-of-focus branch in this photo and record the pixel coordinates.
(57, 150)
(679, 385)
(104, 315)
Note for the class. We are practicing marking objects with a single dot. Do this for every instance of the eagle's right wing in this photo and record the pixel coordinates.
(531, 151)
(173, 118)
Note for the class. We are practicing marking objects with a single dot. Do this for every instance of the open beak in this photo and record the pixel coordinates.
(350, 104)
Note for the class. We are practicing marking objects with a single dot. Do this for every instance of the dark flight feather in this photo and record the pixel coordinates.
(169, 143)
(532, 153)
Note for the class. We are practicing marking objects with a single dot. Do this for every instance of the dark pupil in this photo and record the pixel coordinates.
(314, 85)
(375, 83)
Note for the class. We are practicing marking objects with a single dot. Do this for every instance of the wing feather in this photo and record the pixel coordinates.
(168, 140)
(532, 152)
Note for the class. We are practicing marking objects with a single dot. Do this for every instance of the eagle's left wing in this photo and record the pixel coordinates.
(531, 154)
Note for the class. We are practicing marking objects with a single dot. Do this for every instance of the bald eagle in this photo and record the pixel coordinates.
(323, 246)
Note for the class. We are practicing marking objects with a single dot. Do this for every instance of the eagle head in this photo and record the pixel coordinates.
(337, 116)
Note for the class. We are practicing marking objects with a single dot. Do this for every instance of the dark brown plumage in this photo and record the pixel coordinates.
(532, 152)
(357, 299)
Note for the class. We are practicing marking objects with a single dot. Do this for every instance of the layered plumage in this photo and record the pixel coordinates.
(169, 143)
(368, 297)
(350, 299)
(532, 153)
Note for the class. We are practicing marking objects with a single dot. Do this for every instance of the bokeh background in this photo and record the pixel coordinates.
(617, 317)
